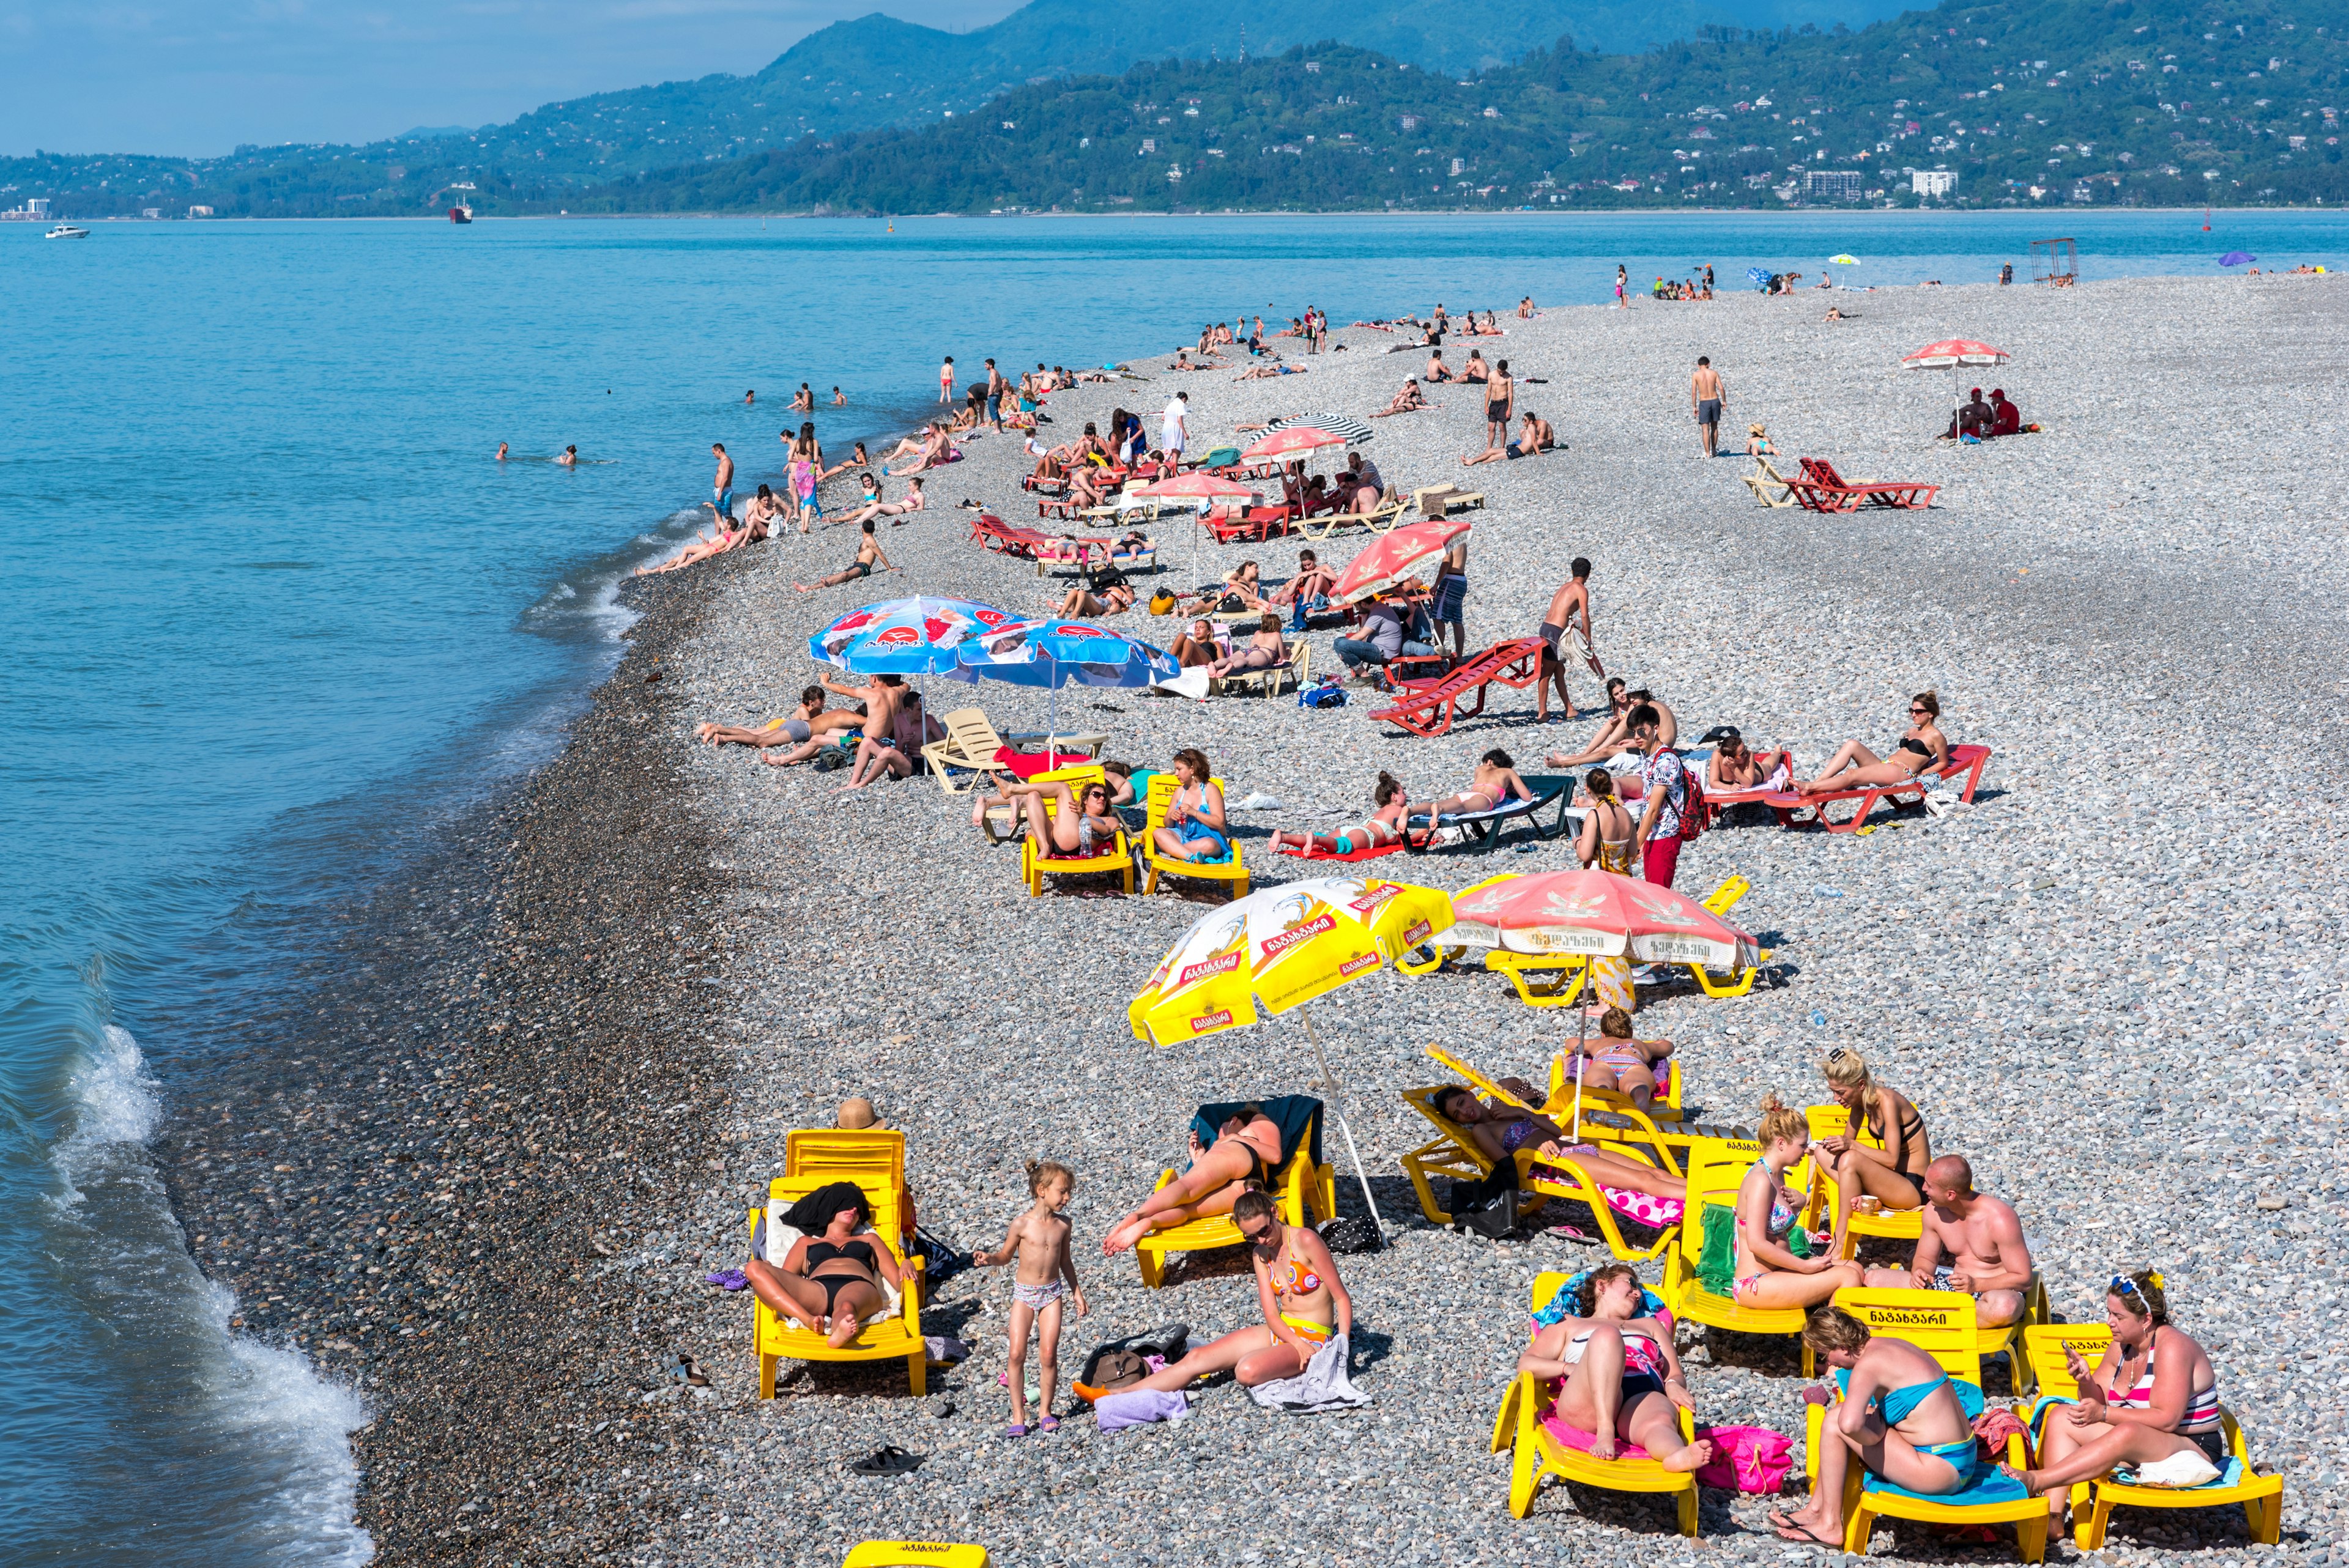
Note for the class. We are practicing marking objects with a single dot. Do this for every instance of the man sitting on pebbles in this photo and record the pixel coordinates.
(1972, 1242)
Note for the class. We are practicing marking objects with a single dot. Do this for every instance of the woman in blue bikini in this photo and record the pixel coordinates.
(1195, 828)
(1382, 827)
(1895, 1408)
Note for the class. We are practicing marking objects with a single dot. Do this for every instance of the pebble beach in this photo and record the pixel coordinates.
(2113, 982)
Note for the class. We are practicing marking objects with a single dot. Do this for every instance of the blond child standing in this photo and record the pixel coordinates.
(1039, 1239)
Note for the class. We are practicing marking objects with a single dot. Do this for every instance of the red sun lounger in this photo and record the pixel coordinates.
(1429, 706)
(1821, 488)
(999, 535)
(1967, 760)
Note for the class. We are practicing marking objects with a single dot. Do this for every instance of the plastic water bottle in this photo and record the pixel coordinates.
(1821, 890)
(1818, 1019)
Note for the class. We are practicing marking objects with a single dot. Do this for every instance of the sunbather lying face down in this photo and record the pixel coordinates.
(1302, 1300)
(836, 1276)
(807, 722)
(1496, 780)
(1247, 1152)
(1853, 766)
(1500, 1129)
(1899, 1414)
(1383, 826)
(1619, 1376)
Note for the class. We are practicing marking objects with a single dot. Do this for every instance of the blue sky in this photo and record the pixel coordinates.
(191, 77)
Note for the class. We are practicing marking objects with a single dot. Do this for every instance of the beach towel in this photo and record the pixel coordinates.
(1139, 1408)
(1323, 1385)
(1577, 1439)
(1295, 1114)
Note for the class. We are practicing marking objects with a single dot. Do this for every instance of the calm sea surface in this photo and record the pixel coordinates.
(273, 612)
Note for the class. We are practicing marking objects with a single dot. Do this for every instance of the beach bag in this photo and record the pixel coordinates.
(1161, 602)
(1746, 1459)
(1350, 1233)
(1493, 1220)
(1329, 693)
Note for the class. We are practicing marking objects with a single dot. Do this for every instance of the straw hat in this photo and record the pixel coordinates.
(855, 1115)
(1753, 430)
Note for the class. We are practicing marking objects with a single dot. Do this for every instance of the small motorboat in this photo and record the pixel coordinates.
(66, 231)
(461, 213)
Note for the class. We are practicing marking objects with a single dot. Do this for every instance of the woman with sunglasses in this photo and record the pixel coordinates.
(1064, 823)
(1853, 766)
(2154, 1394)
(1893, 1167)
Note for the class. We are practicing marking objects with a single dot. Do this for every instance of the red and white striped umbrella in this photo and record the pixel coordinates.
(1395, 555)
(1293, 442)
(1952, 352)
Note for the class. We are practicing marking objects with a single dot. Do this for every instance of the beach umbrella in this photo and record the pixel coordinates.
(905, 636)
(1293, 442)
(2236, 258)
(1052, 653)
(1355, 430)
(1196, 485)
(1279, 949)
(1395, 555)
(1758, 276)
(1955, 354)
(1846, 260)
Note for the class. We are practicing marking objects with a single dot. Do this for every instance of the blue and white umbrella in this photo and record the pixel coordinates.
(913, 636)
(1057, 653)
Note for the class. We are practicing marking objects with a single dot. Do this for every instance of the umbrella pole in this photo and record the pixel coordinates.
(1581, 1033)
(1329, 1083)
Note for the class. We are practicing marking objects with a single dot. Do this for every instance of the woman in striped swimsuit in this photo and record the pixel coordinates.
(2153, 1395)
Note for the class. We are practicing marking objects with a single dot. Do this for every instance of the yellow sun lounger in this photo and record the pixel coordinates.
(996, 824)
(1227, 870)
(1035, 865)
(1901, 1225)
(897, 1336)
(1454, 1154)
(1882, 1309)
(2261, 1496)
(1535, 1451)
(1298, 1187)
(909, 1553)
(866, 1157)
(1713, 1177)
(1940, 1323)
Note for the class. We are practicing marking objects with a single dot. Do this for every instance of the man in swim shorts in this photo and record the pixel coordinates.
(1970, 1241)
(1706, 395)
(868, 558)
(1570, 603)
(723, 485)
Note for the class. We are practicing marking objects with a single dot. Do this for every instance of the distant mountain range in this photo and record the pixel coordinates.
(2019, 100)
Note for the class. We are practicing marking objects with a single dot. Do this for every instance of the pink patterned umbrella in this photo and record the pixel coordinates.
(1293, 442)
(1196, 486)
(1393, 556)
(1596, 913)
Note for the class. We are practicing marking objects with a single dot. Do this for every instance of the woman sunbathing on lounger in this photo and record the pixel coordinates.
(1313, 582)
(1116, 597)
(1383, 826)
(1266, 648)
(1500, 1129)
(2154, 1394)
(1246, 1153)
(1898, 1413)
(1620, 1063)
(1736, 766)
(1303, 1301)
(1893, 1169)
(1767, 1274)
(1242, 582)
(835, 1275)
(1496, 780)
(1853, 766)
(1199, 645)
(1195, 829)
(1065, 825)
(1620, 1378)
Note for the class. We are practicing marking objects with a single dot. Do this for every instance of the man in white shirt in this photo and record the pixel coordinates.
(1172, 434)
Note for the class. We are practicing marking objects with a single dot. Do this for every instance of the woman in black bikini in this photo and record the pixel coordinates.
(1893, 1168)
(1246, 1152)
(1853, 766)
(836, 1276)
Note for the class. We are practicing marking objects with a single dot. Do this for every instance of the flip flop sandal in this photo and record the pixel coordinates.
(889, 1460)
(1808, 1535)
(1014, 1430)
(1049, 1424)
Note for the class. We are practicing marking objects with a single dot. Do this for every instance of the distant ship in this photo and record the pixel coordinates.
(460, 214)
(66, 231)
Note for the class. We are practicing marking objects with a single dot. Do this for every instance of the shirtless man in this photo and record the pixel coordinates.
(879, 700)
(804, 400)
(723, 486)
(1436, 369)
(1972, 1242)
(809, 721)
(933, 450)
(1313, 580)
(1614, 737)
(1706, 395)
(1571, 600)
(1500, 402)
(868, 552)
(890, 752)
(501, 451)
(1533, 436)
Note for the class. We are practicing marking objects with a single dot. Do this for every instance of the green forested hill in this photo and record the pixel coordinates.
(2167, 101)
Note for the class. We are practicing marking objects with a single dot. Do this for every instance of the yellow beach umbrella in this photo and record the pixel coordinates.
(1846, 260)
(1278, 949)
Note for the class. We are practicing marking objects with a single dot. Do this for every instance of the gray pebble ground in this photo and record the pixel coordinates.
(2116, 982)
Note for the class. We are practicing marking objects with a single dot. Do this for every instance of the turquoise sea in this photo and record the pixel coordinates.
(274, 612)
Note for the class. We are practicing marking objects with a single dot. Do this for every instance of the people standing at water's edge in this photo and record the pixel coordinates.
(723, 486)
(1706, 395)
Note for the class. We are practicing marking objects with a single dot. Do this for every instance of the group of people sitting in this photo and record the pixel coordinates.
(1687, 288)
(1980, 421)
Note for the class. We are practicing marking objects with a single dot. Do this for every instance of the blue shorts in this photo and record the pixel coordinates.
(726, 503)
(1449, 597)
(1192, 833)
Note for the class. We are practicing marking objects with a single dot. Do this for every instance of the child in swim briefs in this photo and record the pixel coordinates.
(1039, 1239)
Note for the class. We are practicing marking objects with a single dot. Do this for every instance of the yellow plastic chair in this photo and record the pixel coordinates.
(1228, 870)
(1297, 1186)
(913, 1555)
(897, 1336)
(866, 1156)
(1901, 1224)
(1726, 897)
(1454, 1154)
(1940, 1323)
(1883, 1308)
(995, 823)
(1035, 865)
(2261, 1496)
(1713, 1177)
(1537, 1452)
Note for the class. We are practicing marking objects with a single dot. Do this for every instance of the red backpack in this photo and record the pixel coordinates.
(1698, 810)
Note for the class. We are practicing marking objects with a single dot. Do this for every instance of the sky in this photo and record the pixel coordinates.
(196, 77)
